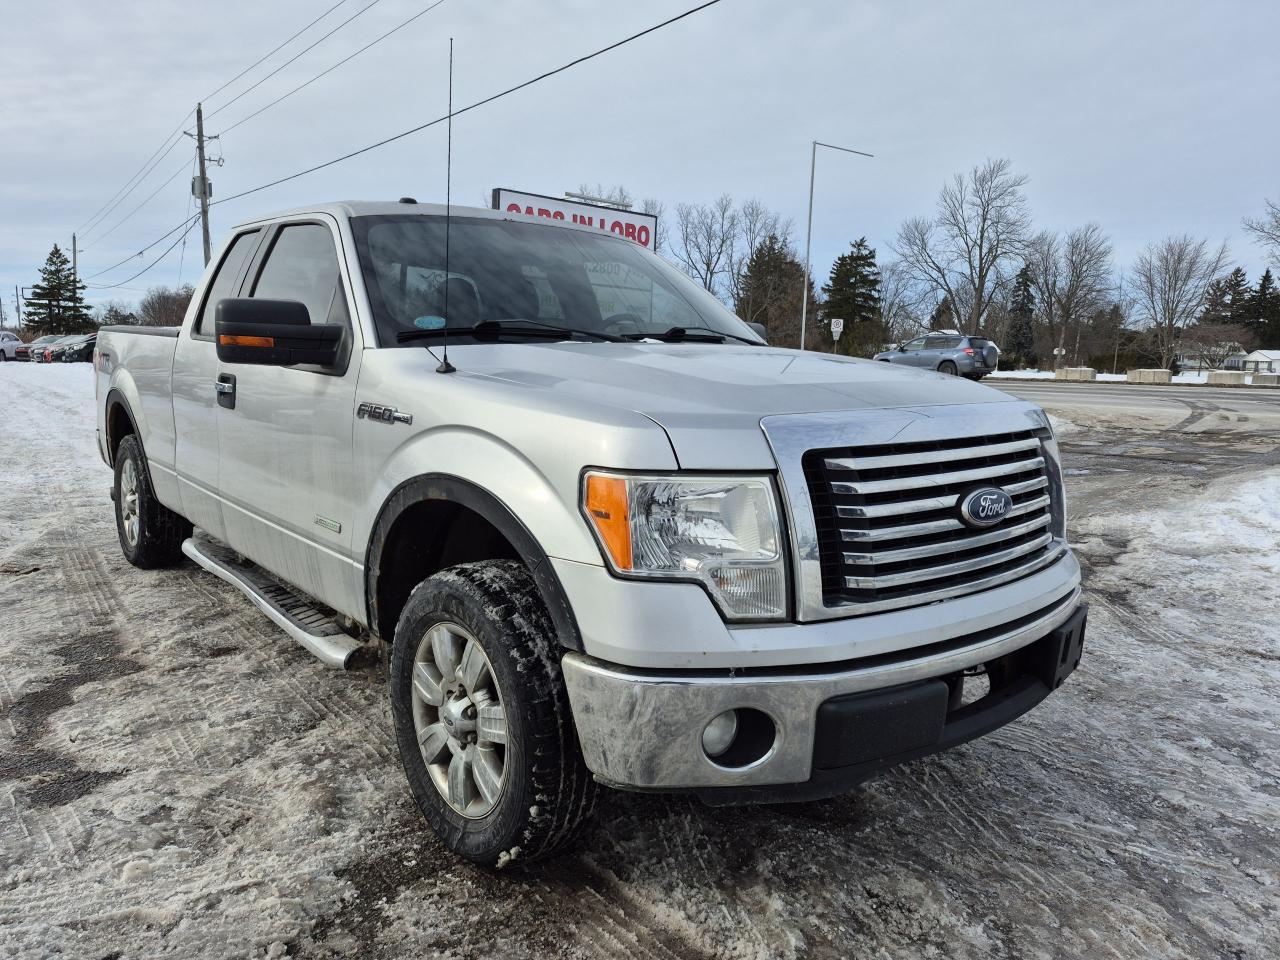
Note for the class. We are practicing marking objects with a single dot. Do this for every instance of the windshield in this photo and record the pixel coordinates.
(505, 272)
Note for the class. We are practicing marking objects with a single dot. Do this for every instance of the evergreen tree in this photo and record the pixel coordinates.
(56, 304)
(1262, 312)
(943, 316)
(1237, 294)
(1021, 348)
(853, 294)
(770, 292)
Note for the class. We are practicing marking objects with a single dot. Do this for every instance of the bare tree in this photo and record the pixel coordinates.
(657, 209)
(165, 306)
(1070, 275)
(1266, 230)
(705, 239)
(965, 251)
(755, 223)
(902, 303)
(1168, 284)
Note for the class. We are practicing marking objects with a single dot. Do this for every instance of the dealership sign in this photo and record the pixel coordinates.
(641, 228)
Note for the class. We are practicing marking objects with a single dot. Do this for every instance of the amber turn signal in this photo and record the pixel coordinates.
(228, 340)
(606, 503)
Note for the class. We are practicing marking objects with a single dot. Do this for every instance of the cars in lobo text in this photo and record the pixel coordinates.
(947, 352)
(609, 535)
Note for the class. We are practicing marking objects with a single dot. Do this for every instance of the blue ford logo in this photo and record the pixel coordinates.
(985, 507)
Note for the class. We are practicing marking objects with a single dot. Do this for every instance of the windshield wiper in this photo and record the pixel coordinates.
(493, 329)
(687, 335)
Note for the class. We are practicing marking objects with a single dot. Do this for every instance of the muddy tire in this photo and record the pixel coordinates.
(482, 716)
(949, 368)
(150, 533)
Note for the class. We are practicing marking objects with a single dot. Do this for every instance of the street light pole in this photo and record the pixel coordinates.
(808, 230)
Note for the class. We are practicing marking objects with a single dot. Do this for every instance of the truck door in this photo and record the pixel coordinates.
(286, 474)
(192, 387)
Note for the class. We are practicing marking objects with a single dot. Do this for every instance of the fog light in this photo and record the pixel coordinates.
(718, 735)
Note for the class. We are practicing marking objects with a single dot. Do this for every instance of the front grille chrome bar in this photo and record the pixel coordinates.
(931, 456)
(938, 479)
(949, 546)
(875, 511)
(949, 569)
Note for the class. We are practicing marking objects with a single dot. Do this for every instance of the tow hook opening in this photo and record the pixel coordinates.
(739, 738)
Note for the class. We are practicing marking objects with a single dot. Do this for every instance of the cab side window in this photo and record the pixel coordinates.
(303, 266)
(915, 344)
(224, 281)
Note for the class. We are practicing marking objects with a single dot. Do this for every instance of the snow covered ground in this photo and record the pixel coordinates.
(178, 780)
(1192, 378)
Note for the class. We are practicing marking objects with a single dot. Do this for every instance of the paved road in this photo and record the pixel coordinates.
(1212, 409)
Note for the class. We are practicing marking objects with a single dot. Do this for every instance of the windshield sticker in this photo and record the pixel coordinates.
(429, 323)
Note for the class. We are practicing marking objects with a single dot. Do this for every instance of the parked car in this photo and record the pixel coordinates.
(53, 351)
(80, 350)
(610, 536)
(32, 350)
(9, 345)
(947, 351)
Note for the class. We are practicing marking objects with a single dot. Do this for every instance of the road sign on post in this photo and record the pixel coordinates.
(837, 328)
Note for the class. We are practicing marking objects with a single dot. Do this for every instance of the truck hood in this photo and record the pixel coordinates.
(710, 398)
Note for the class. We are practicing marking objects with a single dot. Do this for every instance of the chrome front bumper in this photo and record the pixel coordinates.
(643, 730)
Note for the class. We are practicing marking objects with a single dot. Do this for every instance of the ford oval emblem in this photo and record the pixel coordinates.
(985, 507)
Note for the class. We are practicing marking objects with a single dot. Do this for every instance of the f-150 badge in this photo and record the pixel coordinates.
(374, 411)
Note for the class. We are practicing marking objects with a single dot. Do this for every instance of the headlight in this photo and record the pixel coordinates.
(720, 531)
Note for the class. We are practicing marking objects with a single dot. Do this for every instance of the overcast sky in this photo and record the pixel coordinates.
(1150, 118)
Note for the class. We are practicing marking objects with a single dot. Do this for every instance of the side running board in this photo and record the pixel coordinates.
(291, 611)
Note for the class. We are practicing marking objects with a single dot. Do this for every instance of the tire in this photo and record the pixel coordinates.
(545, 793)
(949, 368)
(150, 533)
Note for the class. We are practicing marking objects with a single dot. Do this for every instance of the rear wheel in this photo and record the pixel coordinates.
(482, 716)
(949, 368)
(150, 533)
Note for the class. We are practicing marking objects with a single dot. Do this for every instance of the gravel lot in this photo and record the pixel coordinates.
(177, 779)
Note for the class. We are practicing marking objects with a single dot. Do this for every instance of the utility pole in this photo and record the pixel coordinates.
(17, 303)
(808, 231)
(202, 184)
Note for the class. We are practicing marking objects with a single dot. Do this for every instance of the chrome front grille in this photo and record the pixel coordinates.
(888, 526)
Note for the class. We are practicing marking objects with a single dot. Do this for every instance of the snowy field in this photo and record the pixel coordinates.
(178, 780)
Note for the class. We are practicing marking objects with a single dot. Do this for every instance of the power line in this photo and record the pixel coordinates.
(190, 221)
(273, 51)
(330, 70)
(152, 196)
(304, 50)
(147, 166)
(160, 239)
(168, 250)
(478, 103)
(176, 131)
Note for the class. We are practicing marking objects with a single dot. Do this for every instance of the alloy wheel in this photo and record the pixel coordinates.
(129, 502)
(459, 720)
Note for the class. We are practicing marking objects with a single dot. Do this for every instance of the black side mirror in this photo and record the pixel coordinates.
(273, 332)
(759, 328)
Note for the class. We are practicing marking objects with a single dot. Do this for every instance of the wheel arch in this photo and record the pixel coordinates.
(466, 519)
(119, 423)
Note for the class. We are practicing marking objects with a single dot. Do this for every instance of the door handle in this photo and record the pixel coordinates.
(225, 388)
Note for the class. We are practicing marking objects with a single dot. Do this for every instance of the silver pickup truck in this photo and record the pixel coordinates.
(609, 535)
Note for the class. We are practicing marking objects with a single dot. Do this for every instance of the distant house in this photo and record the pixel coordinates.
(1261, 361)
(1222, 355)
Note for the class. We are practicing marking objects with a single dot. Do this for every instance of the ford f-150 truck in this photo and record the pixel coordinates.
(609, 534)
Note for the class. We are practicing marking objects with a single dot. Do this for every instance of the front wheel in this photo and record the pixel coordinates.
(150, 533)
(482, 716)
(949, 368)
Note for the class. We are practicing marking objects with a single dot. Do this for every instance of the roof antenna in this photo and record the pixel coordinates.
(445, 365)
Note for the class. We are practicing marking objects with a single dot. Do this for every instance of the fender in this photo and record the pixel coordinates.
(115, 398)
(453, 489)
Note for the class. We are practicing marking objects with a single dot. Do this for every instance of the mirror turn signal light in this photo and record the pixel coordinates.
(606, 501)
(228, 340)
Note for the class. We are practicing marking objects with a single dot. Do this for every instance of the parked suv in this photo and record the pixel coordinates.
(947, 351)
(9, 344)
